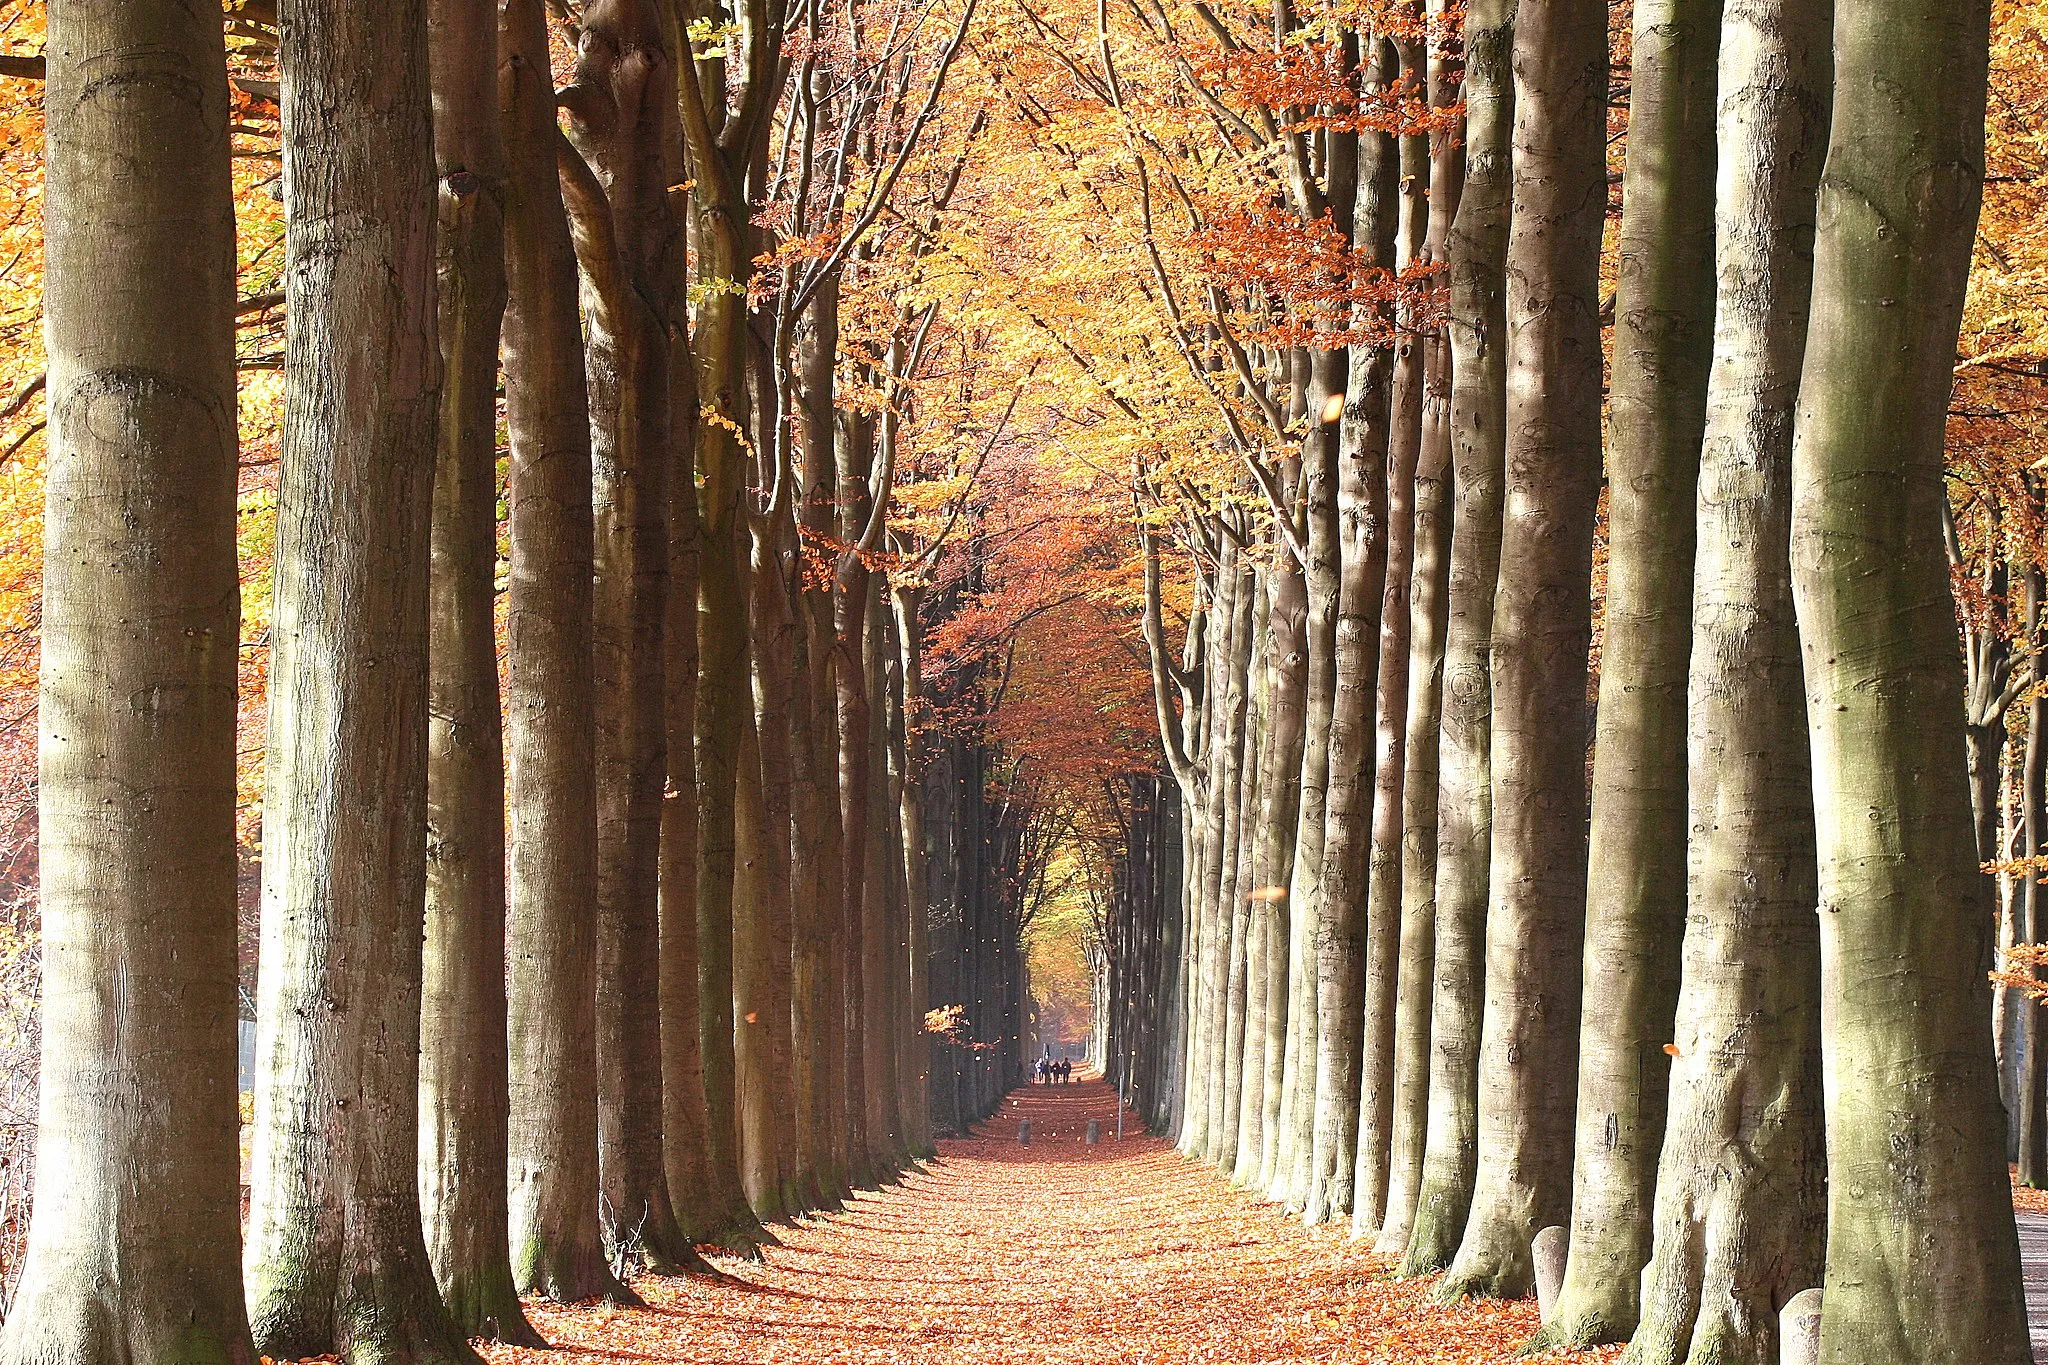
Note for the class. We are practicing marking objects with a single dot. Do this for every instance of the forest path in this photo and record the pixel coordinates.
(1056, 1252)
(2034, 1259)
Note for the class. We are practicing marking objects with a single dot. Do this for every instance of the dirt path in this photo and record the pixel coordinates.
(1057, 1251)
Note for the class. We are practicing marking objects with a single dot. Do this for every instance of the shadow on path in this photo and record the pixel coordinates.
(1058, 1251)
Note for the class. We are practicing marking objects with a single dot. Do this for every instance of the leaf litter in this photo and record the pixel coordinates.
(1124, 1253)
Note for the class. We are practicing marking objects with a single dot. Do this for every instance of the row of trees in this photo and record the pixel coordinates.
(1718, 1004)
(599, 918)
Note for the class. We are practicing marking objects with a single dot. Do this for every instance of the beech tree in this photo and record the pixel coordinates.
(1363, 508)
(557, 1247)
(1915, 1270)
(133, 1250)
(1477, 257)
(1408, 1123)
(335, 1260)
(621, 108)
(1536, 906)
(1160, 487)
(464, 1098)
(1736, 1238)
(1635, 885)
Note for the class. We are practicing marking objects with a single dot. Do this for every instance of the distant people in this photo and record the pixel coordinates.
(1066, 1071)
(1045, 1071)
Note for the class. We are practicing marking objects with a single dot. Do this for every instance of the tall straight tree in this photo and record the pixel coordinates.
(1917, 1270)
(852, 583)
(758, 1034)
(723, 106)
(1536, 903)
(1635, 898)
(814, 799)
(336, 1261)
(1235, 758)
(1279, 808)
(1362, 508)
(463, 1082)
(1208, 903)
(882, 923)
(132, 1252)
(1436, 504)
(1328, 373)
(621, 108)
(1247, 1034)
(1476, 256)
(1406, 65)
(1741, 1190)
(909, 748)
(2029, 1118)
(557, 1247)
(682, 1058)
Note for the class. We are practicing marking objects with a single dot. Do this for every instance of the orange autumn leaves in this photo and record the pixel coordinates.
(999, 1254)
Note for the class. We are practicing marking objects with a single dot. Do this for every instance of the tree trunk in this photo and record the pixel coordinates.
(1210, 923)
(1256, 909)
(1636, 906)
(132, 1252)
(809, 925)
(683, 1117)
(775, 626)
(761, 936)
(464, 1102)
(1922, 1261)
(1304, 1184)
(1350, 806)
(1477, 251)
(909, 747)
(621, 106)
(1430, 578)
(1536, 913)
(557, 1248)
(1406, 1109)
(1279, 800)
(723, 242)
(2030, 1103)
(1383, 928)
(336, 1261)
(882, 939)
(1383, 922)
(849, 675)
(2007, 1001)
(814, 739)
(1233, 918)
(1742, 1186)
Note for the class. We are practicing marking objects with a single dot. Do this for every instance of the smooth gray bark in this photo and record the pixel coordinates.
(336, 1261)
(1541, 627)
(133, 1247)
(621, 107)
(1635, 898)
(1923, 1263)
(464, 1100)
(557, 1247)
(1741, 1193)
(1477, 252)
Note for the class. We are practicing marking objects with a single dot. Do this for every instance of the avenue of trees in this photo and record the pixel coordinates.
(597, 797)
(1435, 931)
(652, 527)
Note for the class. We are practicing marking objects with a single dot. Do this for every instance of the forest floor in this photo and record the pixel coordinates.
(996, 1252)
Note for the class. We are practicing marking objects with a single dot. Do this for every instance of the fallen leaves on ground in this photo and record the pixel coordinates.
(2026, 1199)
(1054, 1252)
